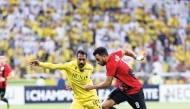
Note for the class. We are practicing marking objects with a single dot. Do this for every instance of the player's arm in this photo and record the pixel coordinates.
(104, 84)
(11, 75)
(51, 65)
(127, 52)
(47, 65)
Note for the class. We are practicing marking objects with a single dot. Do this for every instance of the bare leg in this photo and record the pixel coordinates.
(108, 104)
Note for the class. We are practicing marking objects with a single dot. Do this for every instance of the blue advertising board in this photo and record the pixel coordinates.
(151, 92)
(47, 94)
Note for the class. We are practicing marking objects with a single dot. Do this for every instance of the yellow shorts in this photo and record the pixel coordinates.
(88, 104)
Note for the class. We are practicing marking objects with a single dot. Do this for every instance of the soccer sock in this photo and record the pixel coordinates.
(5, 100)
(112, 108)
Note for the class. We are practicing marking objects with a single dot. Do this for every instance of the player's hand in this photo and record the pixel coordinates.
(2, 79)
(142, 57)
(68, 87)
(88, 87)
(34, 63)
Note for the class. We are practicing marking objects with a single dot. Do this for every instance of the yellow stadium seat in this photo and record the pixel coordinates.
(181, 81)
(167, 81)
(174, 81)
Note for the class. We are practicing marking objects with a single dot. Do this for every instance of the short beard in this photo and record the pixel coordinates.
(103, 63)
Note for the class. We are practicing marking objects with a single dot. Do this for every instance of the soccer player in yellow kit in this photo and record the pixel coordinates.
(79, 74)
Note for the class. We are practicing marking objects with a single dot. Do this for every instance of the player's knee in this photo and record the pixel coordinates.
(104, 106)
(112, 108)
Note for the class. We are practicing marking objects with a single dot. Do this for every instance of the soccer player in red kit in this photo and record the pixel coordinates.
(129, 88)
(5, 74)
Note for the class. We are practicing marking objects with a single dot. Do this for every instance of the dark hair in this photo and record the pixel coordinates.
(82, 52)
(101, 51)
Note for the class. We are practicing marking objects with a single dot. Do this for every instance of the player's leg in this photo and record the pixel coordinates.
(115, 97)
(108, 104)
(140, 99)
(76, 105)
(2, 94)
(136, 100)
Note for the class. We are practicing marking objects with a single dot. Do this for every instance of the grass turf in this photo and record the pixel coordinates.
(150, 105)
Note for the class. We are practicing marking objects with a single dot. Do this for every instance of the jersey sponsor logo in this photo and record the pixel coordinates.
(79, 77)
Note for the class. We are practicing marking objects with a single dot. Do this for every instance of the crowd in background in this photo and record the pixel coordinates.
(53, 30)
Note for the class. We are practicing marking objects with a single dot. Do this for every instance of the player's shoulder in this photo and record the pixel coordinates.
(70, 63)
(117, 53)
(7, 65)
(89, 66)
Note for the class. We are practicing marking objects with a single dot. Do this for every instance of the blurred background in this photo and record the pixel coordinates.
(53, 31)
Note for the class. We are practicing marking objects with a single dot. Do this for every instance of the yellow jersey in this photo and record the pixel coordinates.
(76, 77)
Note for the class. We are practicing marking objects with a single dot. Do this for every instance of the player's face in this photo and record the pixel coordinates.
(81, 60)
(2, 59)
(100, 59)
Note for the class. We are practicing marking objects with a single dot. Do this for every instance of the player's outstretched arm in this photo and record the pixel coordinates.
(130, 53)
(45, 65)
(104, 84)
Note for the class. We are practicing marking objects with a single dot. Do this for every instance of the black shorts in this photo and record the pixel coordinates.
(2, 93)
(135, 100)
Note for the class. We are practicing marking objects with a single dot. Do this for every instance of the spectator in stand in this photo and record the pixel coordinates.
(25, 23)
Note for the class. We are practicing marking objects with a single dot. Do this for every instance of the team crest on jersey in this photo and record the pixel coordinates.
(87, 71)
(2, 68)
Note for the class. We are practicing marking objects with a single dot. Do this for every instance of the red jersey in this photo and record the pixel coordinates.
(118, 68)
(5, 70)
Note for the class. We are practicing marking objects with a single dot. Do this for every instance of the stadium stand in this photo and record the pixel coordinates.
(53, 30)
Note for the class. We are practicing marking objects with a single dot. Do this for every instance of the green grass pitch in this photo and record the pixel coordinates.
(150, 105)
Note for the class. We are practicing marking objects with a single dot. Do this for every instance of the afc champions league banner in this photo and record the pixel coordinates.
(49, 94)
(53, 94)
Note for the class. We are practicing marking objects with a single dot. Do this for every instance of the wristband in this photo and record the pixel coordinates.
(139, 58)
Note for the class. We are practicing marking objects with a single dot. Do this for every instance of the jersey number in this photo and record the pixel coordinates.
(96, 102)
